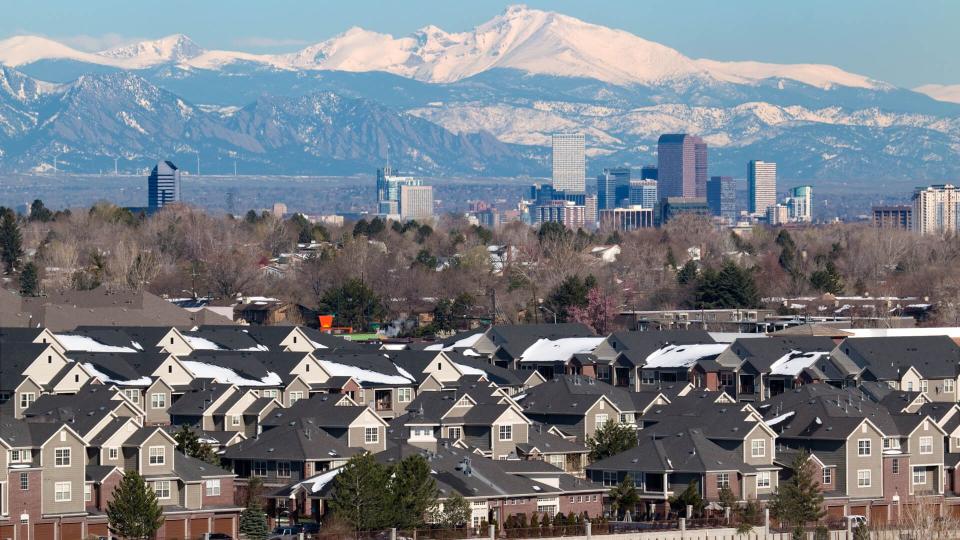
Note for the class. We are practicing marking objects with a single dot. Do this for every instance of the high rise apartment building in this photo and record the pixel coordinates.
(416, 202)
(935, 209)
(569, 164)
(761, 186)
(800, 203)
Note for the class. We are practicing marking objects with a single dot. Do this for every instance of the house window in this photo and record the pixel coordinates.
(827, 475)
(158, 455)
(158, 401)
(603, 373)
(924, 385)
(162, 489)
(909, 386)
(235, 420)
(133, 395)
(20, 456)
(763, 479)
(948, 385)
(87, 493)
(24, 481)
(113, 453)
(919, 476)
(453, 433)
(404, 395)
(557, 460)
(295, 396)
(926, 445)
(61, 457)
(864, 477)
(895, 466)
(371, 435)
(758, 447)
(259, 468)
(213, 488)
(863, 447)
(600, 419)
(723, 480)
(62, 492)
(27, 399)
(506, 433)
(270, 393)
(609, 478)
(283, 469)
(726, 378)
(647, 377)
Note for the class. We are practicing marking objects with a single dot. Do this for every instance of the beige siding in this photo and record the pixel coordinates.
(158, 416)
(193, 494)
(295, 386)
(46, 366)
(173, 373)
(601, 407)
(872, 463)
(927, 428)
(157, 439)
(74, 474)
(26, 387)
(769, 442)
(75, 378)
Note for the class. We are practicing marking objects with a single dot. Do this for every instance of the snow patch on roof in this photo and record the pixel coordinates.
(677, 356)
(104, 378)
(201, 344)
(792, 363)
(467, 370)
(317, 483)
(229, 376)
(559, 350)
(781, 418)
(72, 342)
(362, 375)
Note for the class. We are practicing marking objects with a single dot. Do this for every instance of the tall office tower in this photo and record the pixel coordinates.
(590, 211)
(722, 197)
(761, 186)
(935, 209)
(613, 185)
(681, 166)
(648, 172)
(389, 185)
(163, 185)
(800, 203)
(643, 193)
(569, 165)
(382, 175)
(416, 202)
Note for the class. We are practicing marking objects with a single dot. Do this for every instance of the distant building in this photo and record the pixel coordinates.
(778, 214)
(722, 197)
(389, 185)
(648, 172)
(613, 186)
(626, 219)
(590, 211)
(800, 203)
(671, 207)
(571, 215)
(416, 202)
(279, 209)
(569, 164)
(643, 192)
(935, 209)
(489, 218)
(163, 185)
(898, 216)
(761, 186)
(681, 166)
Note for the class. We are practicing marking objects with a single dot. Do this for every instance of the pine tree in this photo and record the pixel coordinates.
(253, 520)
(39, 212)
(624, 496)
(827, 280)
(11, 241)
(726, 497)
(134, 512)
(687, 273)
(359, 497)
(799, 499)
(29, 280)
(189, 443)
(688, 497)
(413, 492)
(611, 439)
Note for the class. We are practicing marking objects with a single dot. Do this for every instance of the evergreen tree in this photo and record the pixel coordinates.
(29, 280)
(354, 304)
(623, 496)
(189, 443)
(253, 520)
(798, 500)
(688, 497)
(731, 287)
(413, 492)
(456, 512)
(726, 497)
(11, 241)
(552, 231)
(611, 439)
(671, 258)
(134, 512)
(687, 273)
(572, 292)
(359, 495)
(828, 279)
(39, 212)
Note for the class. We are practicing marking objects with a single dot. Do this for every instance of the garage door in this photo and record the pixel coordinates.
(955, 510)
(835, 512)
(43, 531)
(878, 514)
(223, 525)
(6, 532)
(71, 530)
(96, 529)
(198, 526)
(859, 510)
(173, 529)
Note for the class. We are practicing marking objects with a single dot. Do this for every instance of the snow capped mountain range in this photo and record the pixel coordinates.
(483, 101)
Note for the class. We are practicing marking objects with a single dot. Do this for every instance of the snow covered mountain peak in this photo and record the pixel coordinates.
(173, 48)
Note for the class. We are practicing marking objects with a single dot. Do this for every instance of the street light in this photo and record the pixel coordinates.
(548, 310)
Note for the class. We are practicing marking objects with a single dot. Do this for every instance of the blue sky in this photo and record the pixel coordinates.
(906, 42)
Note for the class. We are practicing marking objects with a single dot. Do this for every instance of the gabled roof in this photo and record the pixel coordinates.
(198, 398)
(637, 346)
(320, 410)
(573, 395)
(822, 411)
(516, 338)
(82, 410)
(685, 450)
(539, 438)
(293, 443)
(222, 338)
(141, 338)
(761, 354)
(121, 368)
(887, 358)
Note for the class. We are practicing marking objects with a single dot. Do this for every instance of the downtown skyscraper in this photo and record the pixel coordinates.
(613, 186)
(681, 166)
(163, 185)
(569, 164)
(761, 186)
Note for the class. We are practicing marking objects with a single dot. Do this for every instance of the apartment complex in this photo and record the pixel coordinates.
(935, 209)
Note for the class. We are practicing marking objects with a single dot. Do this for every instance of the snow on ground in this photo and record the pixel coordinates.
(227, 375)
(676, 356)
(104, 378)
(559, 350)
(72, 342)
(362, 375)
(792, 363)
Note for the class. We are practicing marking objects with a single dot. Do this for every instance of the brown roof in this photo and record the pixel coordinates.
(813, 329)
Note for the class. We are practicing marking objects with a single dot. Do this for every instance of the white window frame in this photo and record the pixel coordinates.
(62, 492)
(452, 430)
(864, 478)
(723, 480)
(505, 432)
(295, 396)
(27, 399)
(158, 400)
(827, 476)
(133, 395)
(926, 445)
(270, 393)
(161, 488)
(404, 395)
(864, 447)
(924, 385)
(919, 476)
(948, 385)
(156, 459)
(212, 487)
(371, 435)
(758, 448)
(609, 478)
(61, 457)
(24, 481)
(113, 453)
(235, 420)
(763, 480)
(600, 419)
(87, 493)
(259, 471)
(284, 470)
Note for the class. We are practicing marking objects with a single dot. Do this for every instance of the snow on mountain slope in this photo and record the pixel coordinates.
(173, 48)
(941, 92)
(819, 75)
(19, 50)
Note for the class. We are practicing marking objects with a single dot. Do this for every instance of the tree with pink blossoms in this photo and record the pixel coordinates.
(598, 313)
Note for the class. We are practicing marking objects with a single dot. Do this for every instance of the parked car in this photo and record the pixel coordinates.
(855, 520)
(289, 532)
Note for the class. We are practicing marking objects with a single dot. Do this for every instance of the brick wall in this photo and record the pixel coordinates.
(712, 492)
(29, 501)
(896, 483)
(592, 503)
(226, 497)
